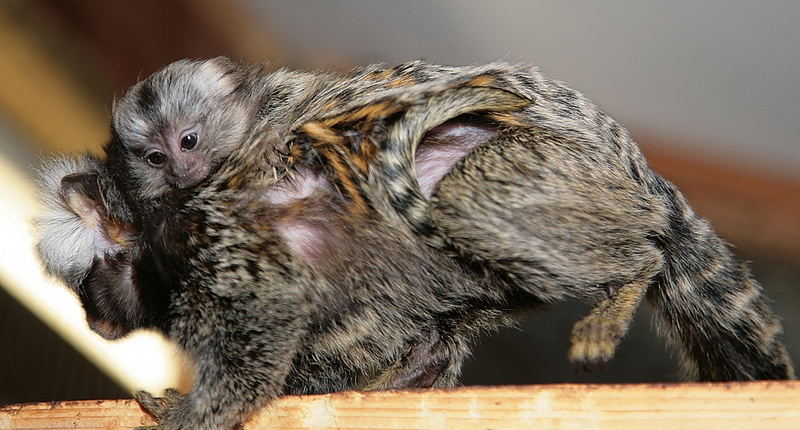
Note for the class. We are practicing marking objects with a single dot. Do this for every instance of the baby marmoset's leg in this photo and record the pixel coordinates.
(558, 223)
(561, 219)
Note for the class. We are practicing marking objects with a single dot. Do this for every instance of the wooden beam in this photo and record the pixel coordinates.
(722, 406)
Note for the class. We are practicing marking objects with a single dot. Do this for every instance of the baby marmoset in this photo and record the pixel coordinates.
(305, 232)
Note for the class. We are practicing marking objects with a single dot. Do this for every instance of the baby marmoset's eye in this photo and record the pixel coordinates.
(156, 158)
(189, 141)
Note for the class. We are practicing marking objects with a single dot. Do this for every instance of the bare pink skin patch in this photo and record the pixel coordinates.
(307, 223)
(443, 147)
(300, 227)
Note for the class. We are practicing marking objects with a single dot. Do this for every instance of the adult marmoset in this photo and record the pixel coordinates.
(320, 232)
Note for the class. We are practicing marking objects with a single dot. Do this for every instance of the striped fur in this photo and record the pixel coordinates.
(305, 257)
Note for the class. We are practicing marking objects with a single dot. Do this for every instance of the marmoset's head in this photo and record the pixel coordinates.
(173, 129)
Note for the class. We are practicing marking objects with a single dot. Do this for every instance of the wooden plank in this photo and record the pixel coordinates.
(767, 405)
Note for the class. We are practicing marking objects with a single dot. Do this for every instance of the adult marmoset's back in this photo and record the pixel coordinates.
(362, 229)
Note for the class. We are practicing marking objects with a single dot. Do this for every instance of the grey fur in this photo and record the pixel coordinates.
(308, 259)
(59, 225)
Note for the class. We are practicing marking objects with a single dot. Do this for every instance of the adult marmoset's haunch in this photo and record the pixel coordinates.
(302, 232)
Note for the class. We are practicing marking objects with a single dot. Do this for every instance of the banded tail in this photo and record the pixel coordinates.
(708, 305)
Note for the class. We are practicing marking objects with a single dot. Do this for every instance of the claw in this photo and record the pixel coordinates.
(157, 406)
(593, 343)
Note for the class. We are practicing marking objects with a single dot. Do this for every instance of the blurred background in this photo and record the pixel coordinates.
(711, 91)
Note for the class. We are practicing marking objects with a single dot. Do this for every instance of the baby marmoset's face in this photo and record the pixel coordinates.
(171, 130)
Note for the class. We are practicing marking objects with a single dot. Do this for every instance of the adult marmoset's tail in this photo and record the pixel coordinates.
(708, 305)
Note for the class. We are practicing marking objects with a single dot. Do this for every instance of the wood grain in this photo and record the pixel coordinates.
(722, 406)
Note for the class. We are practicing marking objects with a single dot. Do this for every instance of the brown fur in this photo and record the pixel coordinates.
(311, 259)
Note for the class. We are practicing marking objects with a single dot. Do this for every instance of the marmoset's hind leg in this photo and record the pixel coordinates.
(556, 221)
(595, 338)
(433, 362)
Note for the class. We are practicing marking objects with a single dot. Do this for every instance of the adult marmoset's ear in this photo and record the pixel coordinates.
(70, 218)
(81, 193)
(88, 248)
